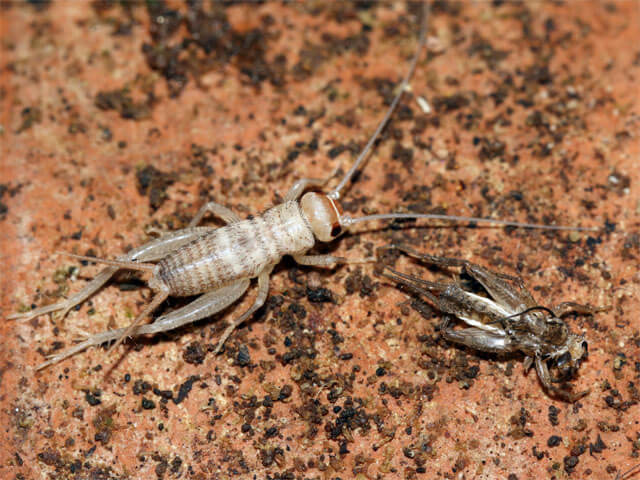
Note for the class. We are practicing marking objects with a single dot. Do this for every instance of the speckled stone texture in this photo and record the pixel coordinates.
(117, 120)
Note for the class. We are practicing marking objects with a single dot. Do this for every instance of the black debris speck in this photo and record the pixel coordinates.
(319, 295)
(185, 388)
(554, 441)
(570, 463)
(243, 358)
(140, 387)
(92, 398)
(194, 353)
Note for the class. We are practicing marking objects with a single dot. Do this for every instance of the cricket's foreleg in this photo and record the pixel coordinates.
(202, 307)
(148, 252)
(219, 210)
(263, 291)
(545, 379)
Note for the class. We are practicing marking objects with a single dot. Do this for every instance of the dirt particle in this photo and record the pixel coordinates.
(154, 183)
(319, 295)
(243, 358)
(104, 424)
(51, 458)
(185, 388)
(140, 387)
(554, 441)
(30, 116)
(194, 353)
(450, 103)
(92, 398)
(121, 101)
(570, 463)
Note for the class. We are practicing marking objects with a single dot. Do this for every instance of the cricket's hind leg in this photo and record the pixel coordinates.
(204, 306)
(261, 297)
(149, 252)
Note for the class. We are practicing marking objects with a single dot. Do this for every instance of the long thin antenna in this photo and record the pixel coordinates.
(335, 193)
(347, 221)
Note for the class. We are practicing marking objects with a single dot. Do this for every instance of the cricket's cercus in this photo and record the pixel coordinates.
(507, 319)
(219, 263)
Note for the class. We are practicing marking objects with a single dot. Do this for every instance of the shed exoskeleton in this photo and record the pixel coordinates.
(505, 320)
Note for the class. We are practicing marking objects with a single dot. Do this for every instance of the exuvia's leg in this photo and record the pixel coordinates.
(496, 284)
(506, 290)
(477, 338)
(545, 379)
(566, 307)
(328, 261)
(204, 306)
(416, 285)
(451, 298)
(413, 281)
(148, 252)
(219, 210)
(429, 259)
(261, 297)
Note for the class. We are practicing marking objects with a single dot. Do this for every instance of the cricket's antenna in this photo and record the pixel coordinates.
(146, 267)
(347, 221)
(335, 193)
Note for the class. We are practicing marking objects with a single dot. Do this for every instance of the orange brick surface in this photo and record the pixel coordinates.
(120, 119)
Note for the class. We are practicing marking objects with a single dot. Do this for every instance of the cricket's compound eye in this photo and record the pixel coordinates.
(323, 216)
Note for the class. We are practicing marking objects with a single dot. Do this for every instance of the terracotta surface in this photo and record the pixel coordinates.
(535, 118)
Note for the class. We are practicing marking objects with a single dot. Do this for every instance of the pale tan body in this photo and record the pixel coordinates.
(215, 262)
(240, 250)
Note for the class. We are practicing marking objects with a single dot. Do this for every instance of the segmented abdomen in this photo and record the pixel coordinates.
(238, 250)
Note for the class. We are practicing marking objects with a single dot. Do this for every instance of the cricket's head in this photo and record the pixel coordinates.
(324, 216)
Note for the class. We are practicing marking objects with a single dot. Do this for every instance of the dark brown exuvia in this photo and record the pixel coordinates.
(505, 319)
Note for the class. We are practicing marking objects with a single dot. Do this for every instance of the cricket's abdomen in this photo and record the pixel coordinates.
(238, 250)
